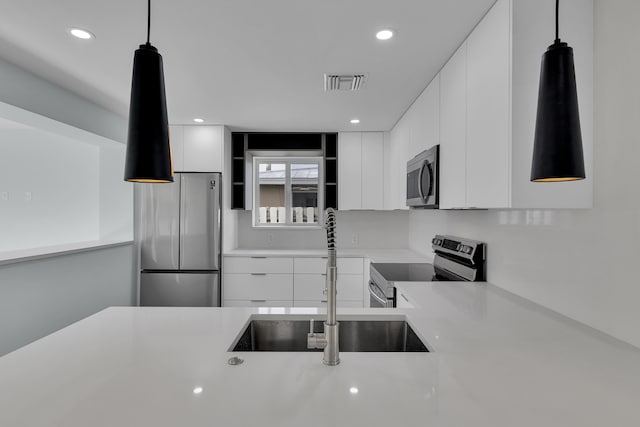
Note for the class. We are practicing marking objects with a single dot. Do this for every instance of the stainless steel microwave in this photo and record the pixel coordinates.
(422, 179)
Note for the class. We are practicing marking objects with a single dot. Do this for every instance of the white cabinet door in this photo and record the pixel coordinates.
(402, 301)
(203, 148)
(425, 126)
(258, 287)
(399, 155)
(176, 136)
(259, 303)
(349, 171)
(311, 287)
(345, 265)
(453, 131)
(258, 264)
(488, 107)
(323, 304)
(372, 170)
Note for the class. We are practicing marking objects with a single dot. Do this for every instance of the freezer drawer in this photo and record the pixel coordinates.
(180, 289)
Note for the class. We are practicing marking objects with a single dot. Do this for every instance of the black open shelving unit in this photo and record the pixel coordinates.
(241, 142)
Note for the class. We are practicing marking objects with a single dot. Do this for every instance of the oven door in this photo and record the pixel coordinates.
(377, 298)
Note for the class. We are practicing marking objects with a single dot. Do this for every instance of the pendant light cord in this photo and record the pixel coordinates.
(557, 20)
(148, 20)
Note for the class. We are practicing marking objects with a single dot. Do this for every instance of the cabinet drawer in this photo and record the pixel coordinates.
(258, 265)
(319, 265)
(257, 303)
(323, 304)
(310, 287)
(402, 301)
(258, 286)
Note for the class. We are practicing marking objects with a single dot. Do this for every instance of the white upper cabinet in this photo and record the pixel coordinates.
(453, 131)
(203, 148)
(488, 108)
(360, 170)
(400, 137)
(416, 131)
(425, 125)
(372, 170)
(176, 137)
(349, 171)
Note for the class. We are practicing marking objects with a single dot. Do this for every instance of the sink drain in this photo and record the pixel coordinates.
(235, 361)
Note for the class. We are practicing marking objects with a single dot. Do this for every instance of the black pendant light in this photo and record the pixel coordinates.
(557, 150)
(148, 147)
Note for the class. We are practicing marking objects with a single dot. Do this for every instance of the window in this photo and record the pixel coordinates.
(287, 191)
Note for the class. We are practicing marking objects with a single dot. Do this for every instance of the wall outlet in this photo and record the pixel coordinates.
(355, 238)
(27, 196)
(269, 239)
(4, 196)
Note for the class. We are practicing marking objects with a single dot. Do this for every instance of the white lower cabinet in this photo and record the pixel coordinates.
(257, 303)
(310, 287)
(402, 301)
(257, 282)
(289, 282)
(309, 282)
(258, 286)
(323, 304)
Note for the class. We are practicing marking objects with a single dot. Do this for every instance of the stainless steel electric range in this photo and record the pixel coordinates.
(455, 259)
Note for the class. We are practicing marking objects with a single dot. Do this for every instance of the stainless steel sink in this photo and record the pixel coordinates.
(355, 336)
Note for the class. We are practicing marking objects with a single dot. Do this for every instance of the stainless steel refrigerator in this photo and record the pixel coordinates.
(180, 242)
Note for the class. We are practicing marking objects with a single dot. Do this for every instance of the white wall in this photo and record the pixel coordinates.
(374, 229)
(48, 188)
(581, 263)
(23, 89)
(38, 297)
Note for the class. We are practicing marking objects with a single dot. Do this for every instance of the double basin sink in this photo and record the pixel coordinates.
(290, 334)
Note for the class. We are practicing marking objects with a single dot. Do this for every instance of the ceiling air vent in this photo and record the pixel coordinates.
(343, 81)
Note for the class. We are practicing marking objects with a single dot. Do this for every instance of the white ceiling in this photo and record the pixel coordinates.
(249, 64)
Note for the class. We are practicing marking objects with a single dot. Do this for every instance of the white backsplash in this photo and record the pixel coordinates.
(355, 229)
(581, 263)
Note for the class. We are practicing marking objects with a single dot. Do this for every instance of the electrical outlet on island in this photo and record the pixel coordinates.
(355, 239)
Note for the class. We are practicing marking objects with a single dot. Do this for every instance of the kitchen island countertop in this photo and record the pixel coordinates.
(498, 360)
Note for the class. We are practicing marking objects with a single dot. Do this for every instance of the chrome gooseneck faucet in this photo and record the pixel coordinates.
(329, 339)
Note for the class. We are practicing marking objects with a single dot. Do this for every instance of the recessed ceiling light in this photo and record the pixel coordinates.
(355, 121)
(198, 390)
(198, 120)
(81, 34)
(384, 34)
(353, 390)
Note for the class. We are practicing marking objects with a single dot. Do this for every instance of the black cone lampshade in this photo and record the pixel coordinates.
(557, 150)
(148, 156)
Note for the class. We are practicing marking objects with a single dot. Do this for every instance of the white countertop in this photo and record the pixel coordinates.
(374, 254)
(498, 361)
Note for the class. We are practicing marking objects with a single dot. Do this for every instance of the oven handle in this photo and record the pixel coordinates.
(373, 290)
(420, 180)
